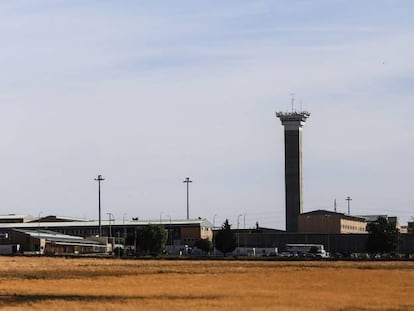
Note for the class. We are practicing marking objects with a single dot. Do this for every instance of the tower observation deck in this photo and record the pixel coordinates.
(293, 122)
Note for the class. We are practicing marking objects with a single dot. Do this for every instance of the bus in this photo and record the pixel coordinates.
(306, 249)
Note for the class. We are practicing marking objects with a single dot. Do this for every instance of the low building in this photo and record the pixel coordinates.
(323, 221)
(46, 242)
(180, 232)
(333, 242)
(391, 219)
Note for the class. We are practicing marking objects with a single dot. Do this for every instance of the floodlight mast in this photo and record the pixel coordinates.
(99, 179)
(187, 181)
(348, 198)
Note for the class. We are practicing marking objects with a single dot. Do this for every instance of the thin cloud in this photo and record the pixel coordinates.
(147, 94)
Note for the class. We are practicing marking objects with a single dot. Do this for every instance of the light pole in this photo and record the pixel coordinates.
(38, 228)
(170, 233)
(110, 217)
(123, 224)
(244, 227)
(212, 231)
(188, 181)
(119, 242)
(349, 201)
(238, 232)
(327, 231)
(99, 179)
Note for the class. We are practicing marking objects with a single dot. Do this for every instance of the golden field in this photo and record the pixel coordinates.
(111, 284)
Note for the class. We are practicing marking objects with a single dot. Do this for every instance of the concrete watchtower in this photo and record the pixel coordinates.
(293, 122)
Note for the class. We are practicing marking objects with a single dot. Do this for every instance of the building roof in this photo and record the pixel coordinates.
(252, 230)
(23, 217)
(57, 237)
(372, 218)
(53, 218)
(320, 212)
(95, 223)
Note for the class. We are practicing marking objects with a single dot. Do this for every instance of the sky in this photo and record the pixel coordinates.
(146, 93)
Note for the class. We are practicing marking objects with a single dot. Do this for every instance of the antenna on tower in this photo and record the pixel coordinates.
(300, 103)
(335, 205)
(292, 101)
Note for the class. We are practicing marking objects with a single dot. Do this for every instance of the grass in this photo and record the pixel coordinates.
(111, 284)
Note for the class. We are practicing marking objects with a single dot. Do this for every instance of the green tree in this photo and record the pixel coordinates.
(225, 240)
(382, 236)
(151, 239)
(204, 244)
(411, 226)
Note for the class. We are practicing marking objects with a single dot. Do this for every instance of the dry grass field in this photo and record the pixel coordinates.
(110, 284)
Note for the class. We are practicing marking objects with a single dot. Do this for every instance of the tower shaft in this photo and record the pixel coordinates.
(293, 122)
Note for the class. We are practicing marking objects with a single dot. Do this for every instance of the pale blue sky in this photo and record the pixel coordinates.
(149, 92)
